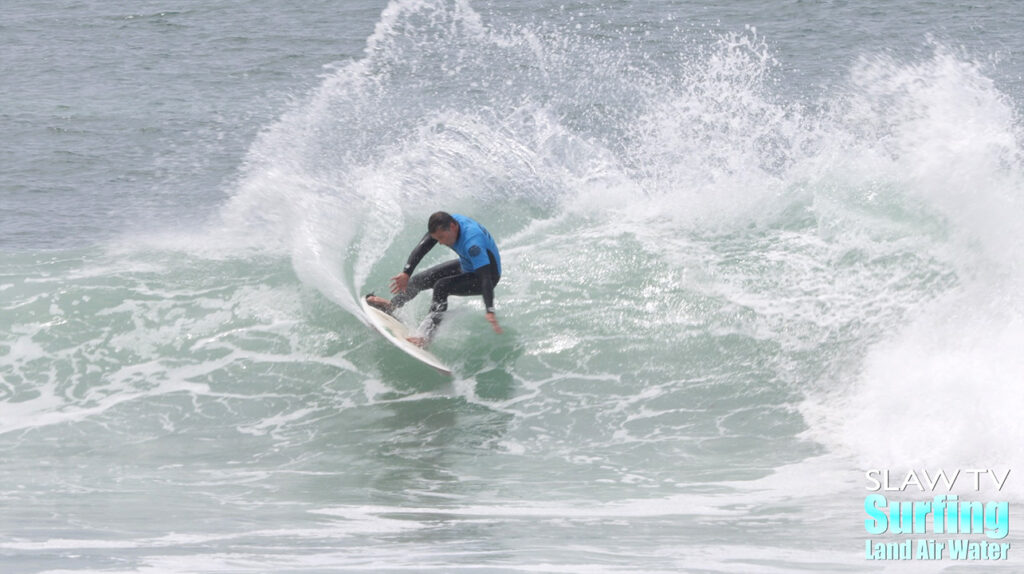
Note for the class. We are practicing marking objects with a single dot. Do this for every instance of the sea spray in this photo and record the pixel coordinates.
(944, 141)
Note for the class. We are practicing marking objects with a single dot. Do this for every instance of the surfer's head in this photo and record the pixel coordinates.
(443, 227)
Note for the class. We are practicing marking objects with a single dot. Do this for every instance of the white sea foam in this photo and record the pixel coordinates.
(938, 387)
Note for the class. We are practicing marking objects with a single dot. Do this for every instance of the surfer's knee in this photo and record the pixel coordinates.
(442, 288)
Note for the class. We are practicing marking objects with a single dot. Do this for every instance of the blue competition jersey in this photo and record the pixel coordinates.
(473, 245)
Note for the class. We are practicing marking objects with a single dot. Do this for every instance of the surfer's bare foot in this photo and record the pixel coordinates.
(379, 303)
(420, 342)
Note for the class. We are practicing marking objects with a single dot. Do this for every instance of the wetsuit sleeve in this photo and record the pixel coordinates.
(425, 245)
(486, 287)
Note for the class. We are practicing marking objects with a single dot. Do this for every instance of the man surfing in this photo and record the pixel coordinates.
(475, 272)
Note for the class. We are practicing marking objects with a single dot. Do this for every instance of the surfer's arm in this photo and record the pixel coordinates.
(401, 281)
(487, 290)
(483, 274)
(424, 246)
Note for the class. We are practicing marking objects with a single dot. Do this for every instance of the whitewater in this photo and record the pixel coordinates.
(750, 257)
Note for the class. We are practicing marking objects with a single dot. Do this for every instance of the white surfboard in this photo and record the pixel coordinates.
(396, 332)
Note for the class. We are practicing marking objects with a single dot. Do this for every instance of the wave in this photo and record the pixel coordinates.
(698, 265)
(841, 233)
(935, 145)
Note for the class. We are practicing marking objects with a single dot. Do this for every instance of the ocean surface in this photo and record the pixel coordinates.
(752, 251)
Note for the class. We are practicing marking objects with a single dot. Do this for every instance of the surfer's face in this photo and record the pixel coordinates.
(447, 236)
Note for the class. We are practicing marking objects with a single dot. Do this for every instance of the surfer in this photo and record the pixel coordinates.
(475, 272)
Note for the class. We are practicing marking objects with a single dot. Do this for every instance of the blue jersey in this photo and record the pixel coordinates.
(475, 246)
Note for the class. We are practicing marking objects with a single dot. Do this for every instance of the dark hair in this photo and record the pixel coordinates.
(438, 221)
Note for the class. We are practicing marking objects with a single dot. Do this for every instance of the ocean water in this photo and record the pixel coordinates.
(751, 253)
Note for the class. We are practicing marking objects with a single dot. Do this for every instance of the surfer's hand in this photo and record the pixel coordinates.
(420, 342)
(494, 322)
(399, 282)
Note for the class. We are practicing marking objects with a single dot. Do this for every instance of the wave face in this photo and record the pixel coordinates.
(725, 296)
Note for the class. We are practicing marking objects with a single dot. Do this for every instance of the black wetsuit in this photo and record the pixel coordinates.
(476, 272)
